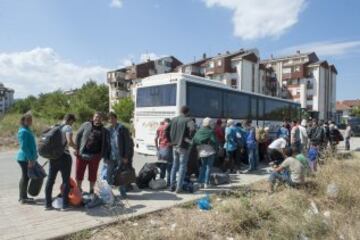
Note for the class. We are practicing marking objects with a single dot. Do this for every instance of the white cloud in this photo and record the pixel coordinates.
(43, 70)
(326, 48)
(255, 19)
(116, 3)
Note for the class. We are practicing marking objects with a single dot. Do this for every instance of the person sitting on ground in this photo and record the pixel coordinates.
(26, 156)
(313, 155)
(290, 172)
(62, 165)
(301, 158)
(206, 144)
(275, 151)
(164, 150)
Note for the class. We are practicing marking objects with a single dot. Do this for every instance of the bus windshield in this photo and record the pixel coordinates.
(156, 96)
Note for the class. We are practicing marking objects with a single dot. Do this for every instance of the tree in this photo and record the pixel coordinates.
(355, 111)
(124, 109)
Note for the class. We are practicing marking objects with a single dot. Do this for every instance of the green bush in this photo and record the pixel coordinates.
(91, 97)
(124, 109)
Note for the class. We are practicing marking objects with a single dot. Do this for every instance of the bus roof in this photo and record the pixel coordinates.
(165, 77)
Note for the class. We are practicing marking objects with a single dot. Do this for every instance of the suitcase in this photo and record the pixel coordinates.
(35, 185)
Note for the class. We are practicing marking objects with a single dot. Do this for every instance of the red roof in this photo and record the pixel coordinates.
(347, 104)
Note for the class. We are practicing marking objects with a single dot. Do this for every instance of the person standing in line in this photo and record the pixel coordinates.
(303, 136)
(164, 150)
(180, 132)
(316, 134)
(206, 144)
(26, 156)
(91, 141)
(120, 150)
(251, 145)
(295, 139)
(347, 137)
(220, 137)
(62, 164)
(230, 146)
(284, 131)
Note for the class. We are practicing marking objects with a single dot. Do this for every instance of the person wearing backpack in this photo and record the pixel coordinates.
(120, 150)
(334, 136)
(251, 145)
(62, 164)
(316, 134)
(164, 150)
(26, 156)
(92, 145)
(206, 144)
(230, 146)
(180, 133)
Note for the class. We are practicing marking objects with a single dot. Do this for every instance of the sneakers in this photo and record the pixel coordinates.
(26, 201)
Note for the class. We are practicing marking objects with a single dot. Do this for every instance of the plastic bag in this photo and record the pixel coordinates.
(37, 171)
(157, 184)
(57, 203)
(204, 203)
(104, 191)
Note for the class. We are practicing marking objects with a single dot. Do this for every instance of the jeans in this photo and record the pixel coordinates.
(165, 154)
(282, 177)
(252, 159)
(205, 170)
(347, 144)
(180, 160)
(24, 180)
(63, 164)
(297, 146)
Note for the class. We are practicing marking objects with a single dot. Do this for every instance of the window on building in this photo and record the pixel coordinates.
(211, 64)
(234, 83)
(219, 63)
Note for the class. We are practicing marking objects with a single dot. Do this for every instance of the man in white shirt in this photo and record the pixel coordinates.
(275, 150)
(303, 136)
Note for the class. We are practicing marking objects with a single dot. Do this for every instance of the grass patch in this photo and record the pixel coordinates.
(250, 213)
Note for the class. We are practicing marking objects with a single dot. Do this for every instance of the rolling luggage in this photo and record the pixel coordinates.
(35, 185)
(37, 175)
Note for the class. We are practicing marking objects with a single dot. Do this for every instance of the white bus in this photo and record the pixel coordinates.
(161, 96)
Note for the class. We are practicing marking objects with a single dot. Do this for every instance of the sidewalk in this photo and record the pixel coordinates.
(32, 222)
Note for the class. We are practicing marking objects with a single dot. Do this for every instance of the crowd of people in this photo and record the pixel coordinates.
(184, 150)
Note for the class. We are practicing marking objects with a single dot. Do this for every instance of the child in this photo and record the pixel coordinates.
(313, 154)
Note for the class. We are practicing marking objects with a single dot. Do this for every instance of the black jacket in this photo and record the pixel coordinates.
(126, 145)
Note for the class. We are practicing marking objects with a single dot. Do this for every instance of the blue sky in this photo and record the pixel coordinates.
(46, 45)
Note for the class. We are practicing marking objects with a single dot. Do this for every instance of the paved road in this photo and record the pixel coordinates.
(32, 222)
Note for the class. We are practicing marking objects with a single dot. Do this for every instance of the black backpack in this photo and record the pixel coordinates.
(50, 145)
(146, 174)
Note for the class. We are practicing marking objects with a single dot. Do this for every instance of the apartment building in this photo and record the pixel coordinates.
(121, 81)
(6, 99)
(306, 79)
(239, 69)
